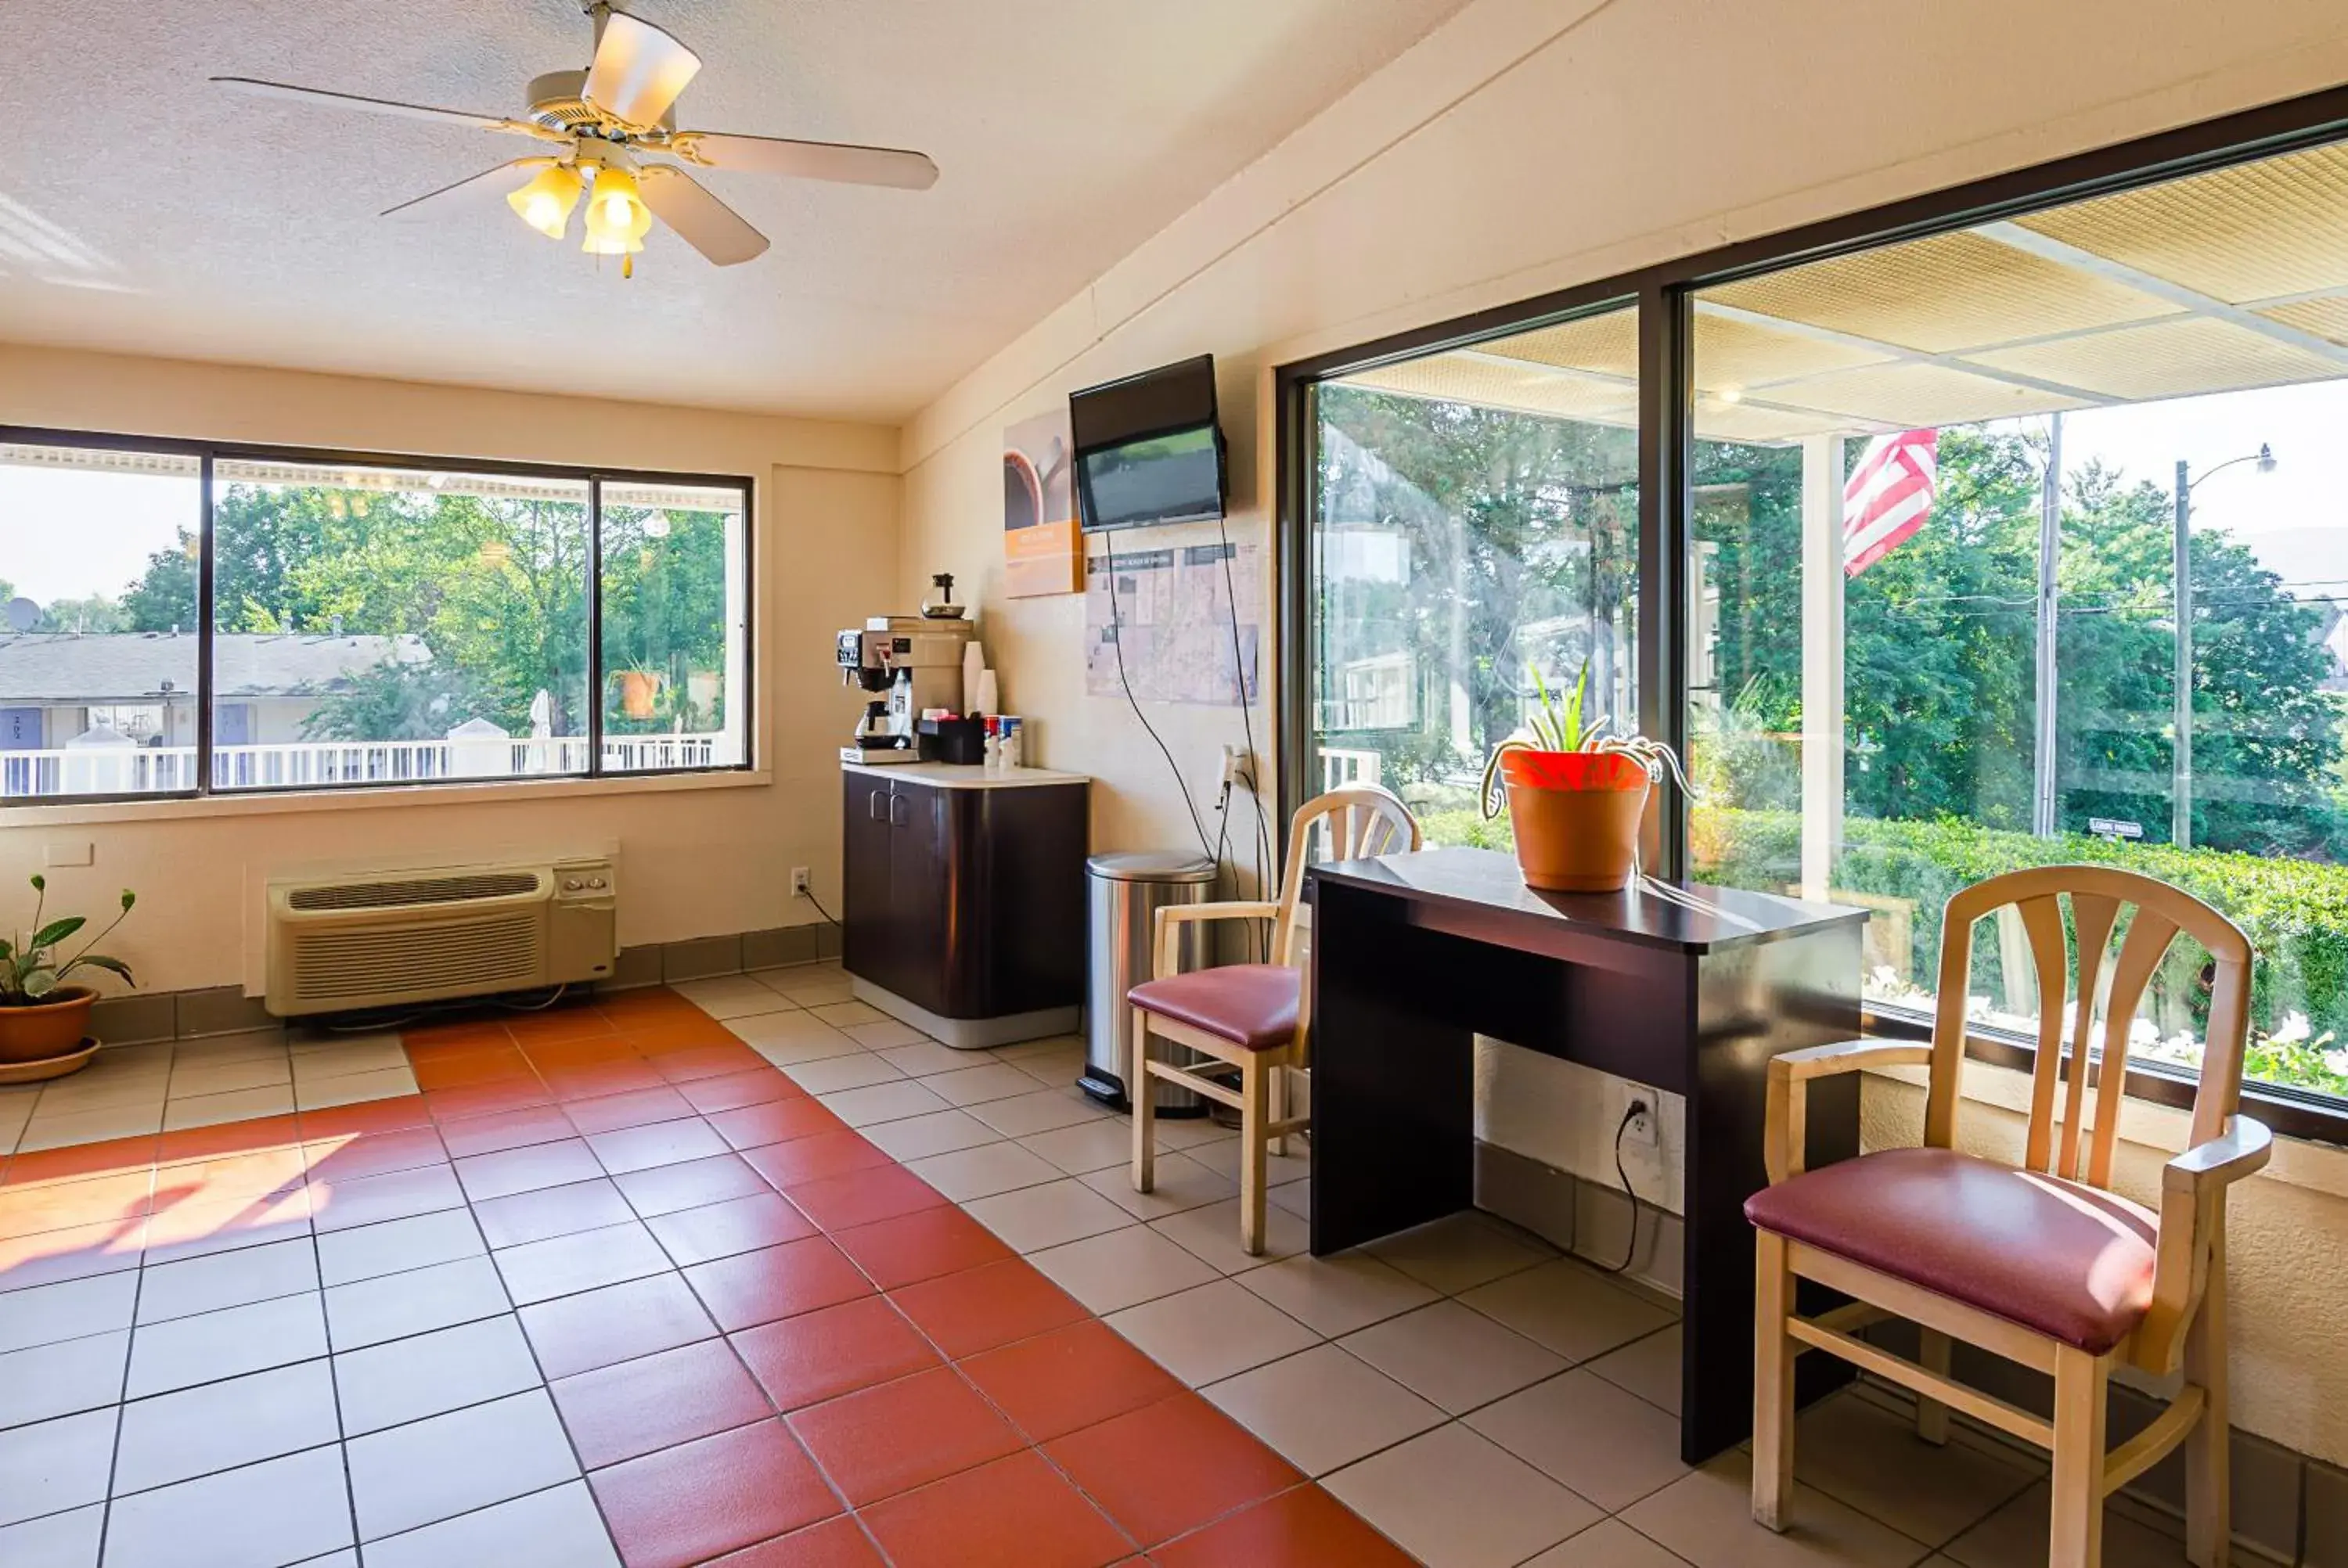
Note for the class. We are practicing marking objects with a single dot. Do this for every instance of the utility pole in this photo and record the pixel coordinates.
(2180, 782)
(2045, 795)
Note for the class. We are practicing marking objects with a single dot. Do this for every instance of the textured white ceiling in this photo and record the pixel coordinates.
(143, 209)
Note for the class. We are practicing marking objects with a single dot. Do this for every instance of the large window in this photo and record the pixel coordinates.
(371, 623)
(1995, 535)
(1476, 538)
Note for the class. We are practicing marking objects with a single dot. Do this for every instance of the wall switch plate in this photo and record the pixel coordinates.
(81, 854)
(798, 881)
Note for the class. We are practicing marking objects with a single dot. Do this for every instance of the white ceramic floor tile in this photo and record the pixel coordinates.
(132, 1121)
(58, 1540)
(1858, 1452)
(890, 1035)
(228, 1279)
(1034, 1218)
(51, 1466)
(830, 1074)
(1648, 1367)
(1121, 1269)
(1452, 1356)
(178, 1437)
(62, 1378)
(374, 1310)
(1177, 1184)
(1087, 1146)
(969, 1085)
(1337, 1295)
(305, 1040)
(1606, 1443)
(1706, 1516)
(69, 1309)
(1322, 1409)
(354, 1088)
(1023, 1114)
(1453, 1499)
(395, 1246)
(938, 1132)
(287, 1510)
(920, 1056)
(413, 1475)
(190, 1078)
(1460, 1251)
(240, 1106)
(430, 1374)
(982, 1171)
(1608, 1544)
(814, 991)
(1570, 1307)
(557, 1528)
(1223, 1158)
(840, 1015)
(882, 1102)
(784, 1038)
(728, 996)
(365, 1054)
(1214, 1331)
(588, 1261)
(1213, 1233)
(186, 1351)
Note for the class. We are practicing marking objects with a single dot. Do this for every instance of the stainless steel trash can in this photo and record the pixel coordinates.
(1125, 892)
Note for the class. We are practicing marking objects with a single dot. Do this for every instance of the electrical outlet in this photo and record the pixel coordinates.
(1239, 767)
(1644, 1107)
(798, 881)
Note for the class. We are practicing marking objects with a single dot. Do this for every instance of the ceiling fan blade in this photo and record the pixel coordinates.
(638, 70)
(408, 208)
(700, 220)
(807, 159)
(372, 105)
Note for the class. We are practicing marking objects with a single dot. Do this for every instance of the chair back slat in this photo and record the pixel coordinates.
(1349, 823)
(2061, 1139)
(2093, 916)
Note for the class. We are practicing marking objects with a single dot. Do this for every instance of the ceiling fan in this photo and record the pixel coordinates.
(608, 130)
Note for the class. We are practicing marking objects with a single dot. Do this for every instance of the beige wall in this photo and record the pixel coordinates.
(1533, 144)
(694, 862)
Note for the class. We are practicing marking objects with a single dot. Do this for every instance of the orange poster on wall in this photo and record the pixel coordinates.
(1042, 550)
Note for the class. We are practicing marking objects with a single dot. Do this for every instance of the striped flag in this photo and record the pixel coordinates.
(1889, 496)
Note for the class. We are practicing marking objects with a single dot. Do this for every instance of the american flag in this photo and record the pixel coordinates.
(1889, 496)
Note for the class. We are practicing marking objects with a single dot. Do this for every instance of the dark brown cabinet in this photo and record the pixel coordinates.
(965, 893)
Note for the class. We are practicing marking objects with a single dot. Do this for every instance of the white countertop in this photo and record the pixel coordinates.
(965, 775)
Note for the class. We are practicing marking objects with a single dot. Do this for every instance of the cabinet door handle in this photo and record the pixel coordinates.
(896, 820)
(872, 804)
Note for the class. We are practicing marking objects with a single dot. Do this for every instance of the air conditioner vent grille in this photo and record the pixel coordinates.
(453, 957)
(420, 890)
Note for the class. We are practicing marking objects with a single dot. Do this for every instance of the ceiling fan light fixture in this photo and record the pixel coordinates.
(617, 218)
(545, 202)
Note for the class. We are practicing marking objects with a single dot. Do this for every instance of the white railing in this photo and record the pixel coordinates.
(1344, 767)
(314, 764)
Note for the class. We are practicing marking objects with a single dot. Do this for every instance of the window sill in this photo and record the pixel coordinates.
(377, 797)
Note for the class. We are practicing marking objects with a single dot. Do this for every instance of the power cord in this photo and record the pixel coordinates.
(1630, 1113)
(809, 894)
(1117, 641)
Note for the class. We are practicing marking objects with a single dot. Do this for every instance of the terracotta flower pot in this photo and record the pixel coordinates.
(47, 1028)
(1576, 816)
(638, 690)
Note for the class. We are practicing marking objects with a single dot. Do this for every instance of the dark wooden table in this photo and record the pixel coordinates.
(1688, 988)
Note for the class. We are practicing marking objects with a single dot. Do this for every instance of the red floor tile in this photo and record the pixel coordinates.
(776, 1282)
(527, 1217)
(734, 1090)
(636, 1108)
(1168, 1468)
(881, 1441)
(835, 1543)
(880, 1193)
(91, 1200)
(822, 1354)
(468, 1069)
(658, 1401)
(376, 1154)
(625, 1149)
(448, 1104)
(111, 1158)
(618, 1323)
(568, 1054)
(776, 1122)
(449, 1038)
(367, 1116)
(603, 1078)
(699, 1500)
(665, 1189)
(721, 1230)
(526, 1169)
(1303, 1528)
(674, 1035)
(981, 1308)
(503, 1130)
(1070, 1378)
(558, 1024)
(920, 1246)
(228, 1138)
(1017, 1512)
(706, 1061)
(812, 1158)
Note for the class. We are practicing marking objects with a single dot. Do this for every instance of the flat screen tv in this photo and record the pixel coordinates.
(1149, 450)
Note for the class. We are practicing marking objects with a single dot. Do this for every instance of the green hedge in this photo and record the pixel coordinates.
(2295, 912)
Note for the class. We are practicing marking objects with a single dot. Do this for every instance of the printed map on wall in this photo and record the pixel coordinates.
(1173, 606)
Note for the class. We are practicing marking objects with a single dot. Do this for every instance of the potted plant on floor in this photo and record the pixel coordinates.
(1575, 793)
(41, 1015)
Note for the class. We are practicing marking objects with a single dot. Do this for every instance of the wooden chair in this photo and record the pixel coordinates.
(1252, 1017)
(2042, 1264)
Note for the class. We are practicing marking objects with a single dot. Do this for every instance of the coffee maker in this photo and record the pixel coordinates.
(915, 663)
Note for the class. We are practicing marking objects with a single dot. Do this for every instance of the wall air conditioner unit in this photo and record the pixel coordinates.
(388, 940)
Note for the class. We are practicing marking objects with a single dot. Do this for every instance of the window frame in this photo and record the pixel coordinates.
(207, 453)
(1664, 294)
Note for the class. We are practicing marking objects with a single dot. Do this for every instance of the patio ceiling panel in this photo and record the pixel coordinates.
(2165, 359)
(1741, 353)
(1606, 344)
(1490, 381)
(1915, 395)
(2326, 316)
(1763, 424)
